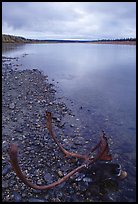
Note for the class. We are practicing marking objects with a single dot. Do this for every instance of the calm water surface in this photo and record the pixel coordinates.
(100, 80)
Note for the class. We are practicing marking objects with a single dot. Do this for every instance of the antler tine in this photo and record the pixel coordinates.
(67, 153)
(103, 151)
(97, 145)
(13, 153)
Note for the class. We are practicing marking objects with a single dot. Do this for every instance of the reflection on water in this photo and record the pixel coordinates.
(100, 79)
(10, 47)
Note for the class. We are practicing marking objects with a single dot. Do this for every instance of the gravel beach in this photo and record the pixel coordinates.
(26, 96)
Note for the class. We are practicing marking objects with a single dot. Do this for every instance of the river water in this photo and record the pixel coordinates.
(98, 83)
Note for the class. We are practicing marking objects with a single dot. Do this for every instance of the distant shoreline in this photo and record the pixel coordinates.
(116, 42)
(97, 42)
(18, 39)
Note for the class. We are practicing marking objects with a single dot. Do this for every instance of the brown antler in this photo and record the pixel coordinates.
(13, 151)
(103, 144)
(67, 153)
(101, 155)
(104, 148)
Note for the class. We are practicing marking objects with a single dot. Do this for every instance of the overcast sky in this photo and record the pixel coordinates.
(69, 20)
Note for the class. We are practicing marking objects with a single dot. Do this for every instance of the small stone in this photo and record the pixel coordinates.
(80, 177)
(48, 178)
(78, 141)
(123, 175)
(58, 119)
(39, 182)
(6, 170)
(28, 148)
(38, 126)
(60, 173)
(23, 195)
(12, 182)
(17, 197)
(4, 144)
(5, 184)
(36, 200)
(12, 106)
(27, 152)
(19, 129)
(87, 179)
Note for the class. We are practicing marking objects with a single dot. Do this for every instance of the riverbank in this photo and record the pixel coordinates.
(26, 96)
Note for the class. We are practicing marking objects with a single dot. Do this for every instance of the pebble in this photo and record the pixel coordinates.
(87, 179)
(17, 197)
(39, 182)
(5, 184)
(48, 178)
(60, 173)
(6, 169)
(19, 129)
(36, 200)
(80, 177)
(78, 141)
(12, 106)
(123, 175)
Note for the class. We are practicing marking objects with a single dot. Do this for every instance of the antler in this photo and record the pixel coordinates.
(13, 151)
(102, 155)
(67, 153)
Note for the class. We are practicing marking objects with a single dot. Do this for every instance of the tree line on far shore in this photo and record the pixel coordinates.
(19, 39)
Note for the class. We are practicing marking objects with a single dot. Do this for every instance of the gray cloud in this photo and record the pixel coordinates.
(69, 19)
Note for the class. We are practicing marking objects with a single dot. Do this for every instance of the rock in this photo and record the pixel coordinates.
(6, 170)
(87, 179)
(12, 106)
(4, 144)
(60, 173)
(78, 141)
(5, 184)
(19, 129)
(39, 182)
(35, 200)
(80, 177)
(123, 175)
(48, 178)
(17, 197)
(12, 183)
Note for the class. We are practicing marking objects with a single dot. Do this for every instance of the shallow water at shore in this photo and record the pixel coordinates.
(99, 87)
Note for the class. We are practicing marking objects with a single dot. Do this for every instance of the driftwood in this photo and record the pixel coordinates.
(102, 155)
